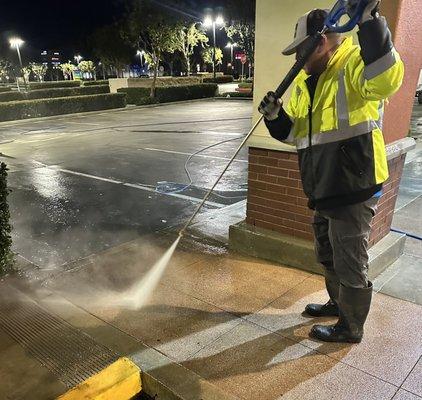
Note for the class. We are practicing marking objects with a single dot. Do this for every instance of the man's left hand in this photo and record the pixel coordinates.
(369, 13)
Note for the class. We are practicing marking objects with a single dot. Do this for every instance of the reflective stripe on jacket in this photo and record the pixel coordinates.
(339, 135)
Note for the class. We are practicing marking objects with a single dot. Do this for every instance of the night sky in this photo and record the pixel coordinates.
(66, 25)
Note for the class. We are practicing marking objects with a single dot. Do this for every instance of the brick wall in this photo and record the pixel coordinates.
(277, 202)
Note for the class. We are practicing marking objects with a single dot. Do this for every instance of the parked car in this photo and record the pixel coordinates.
(419, 94)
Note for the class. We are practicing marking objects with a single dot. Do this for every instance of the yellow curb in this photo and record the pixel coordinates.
(121, 380)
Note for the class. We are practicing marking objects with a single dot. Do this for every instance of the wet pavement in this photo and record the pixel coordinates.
(82, 184)
(230, 321)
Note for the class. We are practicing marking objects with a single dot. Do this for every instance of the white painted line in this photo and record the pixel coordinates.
(188, 154)
(135, 186)
(84, 123)
(179, 196)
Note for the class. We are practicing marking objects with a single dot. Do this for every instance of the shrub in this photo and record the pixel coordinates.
(171, 93)
(135, 95)
(96, 83)
(245, 85)
(219, 79)
(58, 106)
(11, 96)
(6, 254)
(5, 89)
(53, 84)
(66, 92)
(247, 95)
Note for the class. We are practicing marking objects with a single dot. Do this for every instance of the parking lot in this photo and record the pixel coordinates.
(84, 183)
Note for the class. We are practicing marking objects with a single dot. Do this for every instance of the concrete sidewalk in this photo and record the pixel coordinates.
(234, 325)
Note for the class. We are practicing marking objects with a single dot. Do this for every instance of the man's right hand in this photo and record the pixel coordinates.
(270, 106)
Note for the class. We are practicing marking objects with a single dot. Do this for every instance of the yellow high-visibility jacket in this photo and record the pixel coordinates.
(338, 135)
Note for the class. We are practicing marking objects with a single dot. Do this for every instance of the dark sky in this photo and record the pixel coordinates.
(66, 25)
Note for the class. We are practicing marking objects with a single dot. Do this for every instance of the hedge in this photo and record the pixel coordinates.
(247, 95)
(53, 84)
(11, 96)
(219, 79)
(245, 85)
(6, 254)
(4, 89)
(168, 94)
(96, 83)
(53, 93)
(58, 106)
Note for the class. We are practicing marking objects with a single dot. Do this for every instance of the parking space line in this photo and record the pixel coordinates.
(131, 185)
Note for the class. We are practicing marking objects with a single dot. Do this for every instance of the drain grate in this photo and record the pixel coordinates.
(68, 353)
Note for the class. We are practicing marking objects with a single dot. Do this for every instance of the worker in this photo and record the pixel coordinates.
(334, 118)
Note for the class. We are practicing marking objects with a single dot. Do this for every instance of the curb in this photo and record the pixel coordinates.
(120, 380)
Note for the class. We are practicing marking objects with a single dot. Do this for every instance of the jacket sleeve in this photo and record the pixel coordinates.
(378, 72)
(282, 128)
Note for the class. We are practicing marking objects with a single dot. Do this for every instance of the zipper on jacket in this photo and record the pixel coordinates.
(352, 163)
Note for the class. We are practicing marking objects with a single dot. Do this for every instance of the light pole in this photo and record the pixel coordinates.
(16, 43)
(141, 54)
(208, 23)
(231, 46)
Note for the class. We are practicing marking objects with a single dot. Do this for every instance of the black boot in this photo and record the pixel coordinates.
(354, 307)
(329, 309)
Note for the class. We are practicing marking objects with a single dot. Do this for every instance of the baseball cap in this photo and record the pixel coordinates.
(307, 25)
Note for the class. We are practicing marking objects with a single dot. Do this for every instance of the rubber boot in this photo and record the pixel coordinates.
(354, 307)
(329, 309)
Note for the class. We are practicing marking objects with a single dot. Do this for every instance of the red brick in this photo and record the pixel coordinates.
(268, 161)
(252, 176)
(294, 175)
(253, 159)
(260, 169)
(295, 192)
(306, 219)
(278, 171)
(276, 188)
(267, 178)
(294, 183)
(258, 152)
(258, 185)
(288, 164)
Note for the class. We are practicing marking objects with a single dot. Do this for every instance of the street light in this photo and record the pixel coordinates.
(141, 54)
(78, 58)
(231, 46)
(16, 43)
(208, 23)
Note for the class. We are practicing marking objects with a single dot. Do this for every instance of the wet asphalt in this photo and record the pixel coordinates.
(84, 183)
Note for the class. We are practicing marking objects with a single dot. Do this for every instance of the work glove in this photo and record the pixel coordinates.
(270, 106)
(369, 13)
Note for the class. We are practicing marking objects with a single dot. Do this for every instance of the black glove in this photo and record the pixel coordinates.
(270, 106)
(371, 11)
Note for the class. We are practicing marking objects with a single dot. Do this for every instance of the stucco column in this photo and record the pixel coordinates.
(277, 207)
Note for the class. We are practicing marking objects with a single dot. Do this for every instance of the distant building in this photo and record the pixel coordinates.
(51, 58)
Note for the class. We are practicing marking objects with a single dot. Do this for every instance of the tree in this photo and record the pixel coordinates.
(112, 47)
(39, 70)
(208, 56)
(67, 69)
(189, 38)
(243, 33)
(26, 72)
(157, 37)
(5, 69)
(87, 67)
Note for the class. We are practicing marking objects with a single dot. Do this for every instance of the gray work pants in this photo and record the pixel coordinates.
(342, 242)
